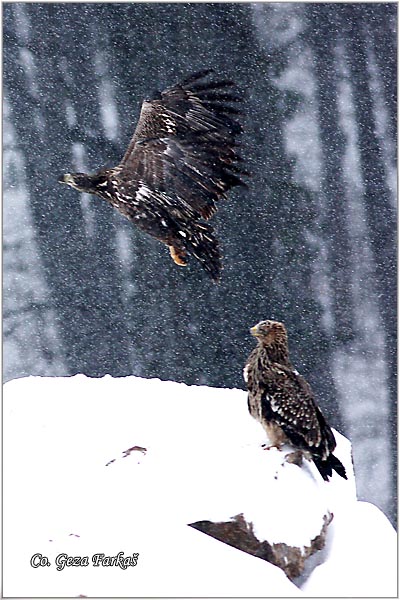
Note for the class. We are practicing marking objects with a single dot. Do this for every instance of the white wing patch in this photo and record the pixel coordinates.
(168, 150)
(169, 124)
(143, 192)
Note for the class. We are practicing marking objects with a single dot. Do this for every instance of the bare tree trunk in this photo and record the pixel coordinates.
(380, 211)
(90, 326)
(324, 27)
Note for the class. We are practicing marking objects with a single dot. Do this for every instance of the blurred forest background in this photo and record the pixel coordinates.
(311, 242)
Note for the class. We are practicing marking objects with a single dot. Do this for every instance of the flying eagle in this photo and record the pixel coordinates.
(181, 160)
(283, 402)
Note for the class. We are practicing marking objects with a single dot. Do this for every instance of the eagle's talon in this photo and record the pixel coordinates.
(270, 446)
(178, 255)
(295, 458)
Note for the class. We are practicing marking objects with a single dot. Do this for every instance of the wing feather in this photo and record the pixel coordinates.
(195, 76)
(286, 398)
(293, 406)
(184, 143)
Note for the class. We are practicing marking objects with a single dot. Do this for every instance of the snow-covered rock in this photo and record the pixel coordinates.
(124, 465)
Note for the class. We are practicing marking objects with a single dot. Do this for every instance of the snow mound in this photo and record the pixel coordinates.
(124, 465)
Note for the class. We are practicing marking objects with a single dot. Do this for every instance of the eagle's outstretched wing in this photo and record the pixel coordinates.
(184, 145)
(182, 158)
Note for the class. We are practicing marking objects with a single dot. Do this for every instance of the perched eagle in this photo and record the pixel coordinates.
(283, 402)
(181, 160)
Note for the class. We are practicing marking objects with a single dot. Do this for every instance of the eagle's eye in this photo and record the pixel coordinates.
(268, 330)
(261, 329)
(266, 326)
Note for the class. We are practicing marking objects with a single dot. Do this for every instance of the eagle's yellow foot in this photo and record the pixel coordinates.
(178, 256)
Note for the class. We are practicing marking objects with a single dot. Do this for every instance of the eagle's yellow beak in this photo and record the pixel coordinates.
(254, 330)
(67, 178)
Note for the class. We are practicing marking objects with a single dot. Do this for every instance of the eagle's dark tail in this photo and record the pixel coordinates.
(325, 466)
(201, 243)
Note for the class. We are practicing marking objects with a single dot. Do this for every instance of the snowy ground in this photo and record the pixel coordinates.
(69, 488)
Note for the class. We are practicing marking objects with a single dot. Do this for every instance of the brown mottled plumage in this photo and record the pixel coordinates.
(181, 160)
(283, 402)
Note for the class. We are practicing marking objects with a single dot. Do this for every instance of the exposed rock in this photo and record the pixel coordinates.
(239, 533)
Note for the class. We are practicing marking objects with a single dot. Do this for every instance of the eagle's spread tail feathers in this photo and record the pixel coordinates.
(203, 245)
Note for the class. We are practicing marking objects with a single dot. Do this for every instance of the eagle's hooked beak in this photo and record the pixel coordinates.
(254, 330)
(67, 178)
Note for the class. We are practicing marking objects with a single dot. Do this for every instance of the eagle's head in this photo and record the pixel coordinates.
(79, 181)
(270, 333)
